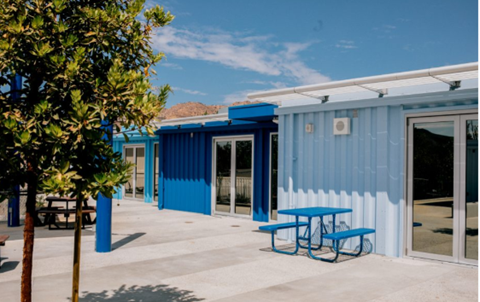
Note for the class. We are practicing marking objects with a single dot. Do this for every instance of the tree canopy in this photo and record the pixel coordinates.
(82, 62)
(85, 66)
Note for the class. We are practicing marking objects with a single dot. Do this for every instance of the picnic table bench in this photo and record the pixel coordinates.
(3, 239)
(337, 236)
(281, 226)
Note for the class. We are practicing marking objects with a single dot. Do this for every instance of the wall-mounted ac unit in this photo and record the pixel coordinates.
(341, 126)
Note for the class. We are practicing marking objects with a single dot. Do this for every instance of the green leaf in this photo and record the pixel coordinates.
(64, 167)
(24, 137)
(76, 95)
(54, 130)
(37, 22)
(10, 123)
(125, 136)
(100, 178)
(41, 49)
(59, 5)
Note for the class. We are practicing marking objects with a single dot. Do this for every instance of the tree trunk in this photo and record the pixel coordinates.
(77, 248)
(28, 236)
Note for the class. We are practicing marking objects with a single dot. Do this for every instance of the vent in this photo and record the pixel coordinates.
(341, 126)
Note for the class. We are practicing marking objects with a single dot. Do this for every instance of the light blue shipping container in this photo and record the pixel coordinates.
(365, 170)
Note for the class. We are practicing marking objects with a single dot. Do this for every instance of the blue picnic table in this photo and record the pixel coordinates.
(310, 213)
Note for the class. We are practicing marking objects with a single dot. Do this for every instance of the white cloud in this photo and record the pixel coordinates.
(236, 51)
(389, 26)
(238, 96)
(386, 28)
(172, 66)
(194, 92)
(277, 85)
(346, 44)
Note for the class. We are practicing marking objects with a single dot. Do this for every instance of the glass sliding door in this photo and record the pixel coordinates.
(135, 187)
(442, 192)
(433, 150)
(243, 177)
(128, 154)
(223, 176)
(273, 176)
(469, 187)
(233, 175)
(140, 173)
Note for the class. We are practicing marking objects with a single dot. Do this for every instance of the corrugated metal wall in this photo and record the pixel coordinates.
(362, 171)
(185, 186)
(186, 167)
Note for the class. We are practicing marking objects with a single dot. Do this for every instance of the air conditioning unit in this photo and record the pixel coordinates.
(341, 126)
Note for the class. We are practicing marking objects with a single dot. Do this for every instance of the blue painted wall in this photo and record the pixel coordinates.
(185, 179)
(364, 170)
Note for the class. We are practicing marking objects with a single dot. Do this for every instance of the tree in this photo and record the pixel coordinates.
(82, 62)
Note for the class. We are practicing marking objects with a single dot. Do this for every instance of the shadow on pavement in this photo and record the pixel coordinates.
(126, 240)
(8, 266)
(141, 293)
(16, 233)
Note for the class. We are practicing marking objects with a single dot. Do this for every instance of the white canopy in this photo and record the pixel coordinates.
(451, 75)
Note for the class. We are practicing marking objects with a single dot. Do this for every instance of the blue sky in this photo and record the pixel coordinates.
(218, 51)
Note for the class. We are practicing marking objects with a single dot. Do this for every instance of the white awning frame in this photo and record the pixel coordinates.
(201, 119)
(451, 75)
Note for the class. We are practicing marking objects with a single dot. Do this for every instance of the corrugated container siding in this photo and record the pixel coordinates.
(186, 170)
(362, 171)
(184, 163)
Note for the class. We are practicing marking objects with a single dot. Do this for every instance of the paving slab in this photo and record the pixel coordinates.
(179, 256)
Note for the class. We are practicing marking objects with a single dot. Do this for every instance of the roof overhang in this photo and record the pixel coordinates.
(236, 115)
(451, 75)
(197, 120)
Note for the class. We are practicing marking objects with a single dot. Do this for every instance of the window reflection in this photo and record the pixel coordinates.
(471, 195)
(433, 151)
(223, 162)
(243, 177)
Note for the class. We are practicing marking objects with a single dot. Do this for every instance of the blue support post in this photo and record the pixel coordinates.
(14, 201)
(103, 234)
(14, 208)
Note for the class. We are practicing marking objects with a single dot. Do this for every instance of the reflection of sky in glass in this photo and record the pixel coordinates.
(472, 129)
(440, 128)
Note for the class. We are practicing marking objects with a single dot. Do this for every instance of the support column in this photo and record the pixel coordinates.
(14, 201)
(14, 208)
(103, 234)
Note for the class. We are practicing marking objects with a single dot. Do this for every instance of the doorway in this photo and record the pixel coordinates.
(442, 188)
(135, 186)
(233, 175)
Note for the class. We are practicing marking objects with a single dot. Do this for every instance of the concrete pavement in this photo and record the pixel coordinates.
(178, 256)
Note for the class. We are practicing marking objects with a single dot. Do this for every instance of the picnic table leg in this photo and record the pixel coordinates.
(308, 238)
(337, 249)
(47, 215)
(296, 241)
(87, 217)
(310, 247)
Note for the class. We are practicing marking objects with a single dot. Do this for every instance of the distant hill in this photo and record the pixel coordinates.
(195, 109)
